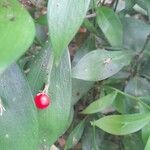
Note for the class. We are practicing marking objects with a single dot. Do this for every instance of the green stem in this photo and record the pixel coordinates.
(131, 96)
(95, 144)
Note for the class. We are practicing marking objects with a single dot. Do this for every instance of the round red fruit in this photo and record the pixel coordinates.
(42, 100)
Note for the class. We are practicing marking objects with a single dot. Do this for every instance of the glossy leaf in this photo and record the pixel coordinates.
(64, 19)
(18, 120)
(100, 64)
(100, 104)
(16, 32)
(75, 135)
(39, 71)
(110, 25)
(122, 124)
(54, 120)
(60, 93)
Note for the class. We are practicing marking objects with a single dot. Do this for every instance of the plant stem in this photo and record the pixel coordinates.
(95, 144)
(131, 96)
(136, 65)
(116, 4)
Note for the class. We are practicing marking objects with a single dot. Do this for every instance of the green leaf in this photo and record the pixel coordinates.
(138, 87)
(18, 120)
(87, 46)
(146, 5)
(90, 27)
(111, 26)
(54, 120)
(146, 129)
(80, 87)
(42, 20)
(16, 32)
(75, 135)
(121, 104)
(133, 37)
(41, 34)
(147, 147)
(133, 141)
(122, 124)
(100, 104)
(39, 69)
(100, 64)
(64, 19)
(129, 4)
(91, 140)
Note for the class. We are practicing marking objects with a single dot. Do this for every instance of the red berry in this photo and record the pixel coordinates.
(42, 100)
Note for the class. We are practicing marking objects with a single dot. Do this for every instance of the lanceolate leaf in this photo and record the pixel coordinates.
(110, 25)
(101, 104)
(100, 64)
(16, 32)
(54, 120)
(122, 124)
(64, 19)
(39, 70)
(18, 119)
(75, 135)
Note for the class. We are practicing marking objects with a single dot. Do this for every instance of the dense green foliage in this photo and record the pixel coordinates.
(100, 91)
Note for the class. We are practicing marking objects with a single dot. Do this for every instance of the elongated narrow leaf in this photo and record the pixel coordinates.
(18, 119)
(39, 70)
(110, 25)
(147, 147)
(16, 32)
(75, 135)
(122, 124)
(100, 64)
(101, 104)
(64, 19)
(54, 120)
